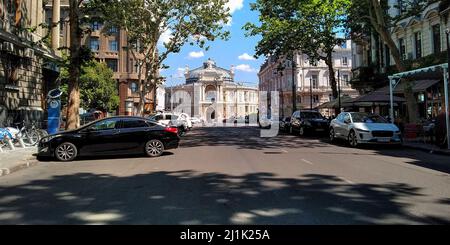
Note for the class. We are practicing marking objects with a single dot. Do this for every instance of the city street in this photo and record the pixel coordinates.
(233, 176)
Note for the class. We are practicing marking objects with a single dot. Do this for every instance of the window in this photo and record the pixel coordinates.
(112, 64)
(134, 87)
(315, 98)
(346, 79)
(344, 61)
(94, 44)
(436, 38)
(418, 44)
(299, 99)
(315, 82)
(105, 125)
(132, 123)
(387, 55)
(113, 30)
(344, 45)
(113, 45)
(402, 47)
(96, 26)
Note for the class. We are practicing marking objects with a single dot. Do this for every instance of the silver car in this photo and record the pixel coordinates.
(363, 128)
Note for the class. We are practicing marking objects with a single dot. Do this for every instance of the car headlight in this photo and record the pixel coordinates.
(362, 130)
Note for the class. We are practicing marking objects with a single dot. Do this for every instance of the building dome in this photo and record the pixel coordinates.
(209, 72)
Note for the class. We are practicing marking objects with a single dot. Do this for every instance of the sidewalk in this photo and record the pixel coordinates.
(14, 160)
(426, 147)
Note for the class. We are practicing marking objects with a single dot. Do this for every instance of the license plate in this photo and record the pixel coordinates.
(384, 140)
(320, 129)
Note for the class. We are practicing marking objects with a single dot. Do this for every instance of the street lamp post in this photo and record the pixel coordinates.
(311, 92)
(447, 119)
(339, 90)
(294, 92)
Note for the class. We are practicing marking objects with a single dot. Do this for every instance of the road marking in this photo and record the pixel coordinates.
(346, 180)
(308, 162)
(283, 150)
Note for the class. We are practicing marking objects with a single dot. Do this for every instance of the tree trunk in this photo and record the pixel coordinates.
(332, 78)
(140, 110)
(73, 120)
(411, 101)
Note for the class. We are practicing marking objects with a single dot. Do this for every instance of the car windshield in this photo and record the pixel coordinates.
(366, 118)
(311, 115)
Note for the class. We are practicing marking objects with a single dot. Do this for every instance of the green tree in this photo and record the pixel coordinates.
(311, 27)
(145, 21)
(373, 15)
(98, 88)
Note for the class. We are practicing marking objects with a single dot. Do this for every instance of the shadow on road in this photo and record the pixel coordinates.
(188, 197)
(243, 138)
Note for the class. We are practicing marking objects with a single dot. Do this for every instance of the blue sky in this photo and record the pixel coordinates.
(225, 53)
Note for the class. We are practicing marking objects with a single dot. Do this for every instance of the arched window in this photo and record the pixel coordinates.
(210, 93)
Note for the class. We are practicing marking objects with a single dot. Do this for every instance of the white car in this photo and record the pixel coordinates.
(363, 128)
(196, 120)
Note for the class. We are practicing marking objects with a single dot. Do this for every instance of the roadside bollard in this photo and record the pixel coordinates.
(10, 143)
(22, 144)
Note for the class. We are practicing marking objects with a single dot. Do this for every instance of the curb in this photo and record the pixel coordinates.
(431, 151)
(29, 163)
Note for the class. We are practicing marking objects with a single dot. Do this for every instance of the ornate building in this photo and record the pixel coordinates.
(210, 92)
(312, 83)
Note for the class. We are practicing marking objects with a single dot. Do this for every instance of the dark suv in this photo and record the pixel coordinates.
(306, 121)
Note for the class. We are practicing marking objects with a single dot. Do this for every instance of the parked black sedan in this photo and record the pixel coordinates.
(111, 136)
(308, 122)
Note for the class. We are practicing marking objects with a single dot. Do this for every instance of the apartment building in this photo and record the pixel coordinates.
(312, 85)
(421, 41)
(109, 45)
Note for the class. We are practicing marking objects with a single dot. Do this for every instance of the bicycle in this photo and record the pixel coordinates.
(30, 136)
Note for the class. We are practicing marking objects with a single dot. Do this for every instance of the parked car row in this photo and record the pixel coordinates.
(354, 127)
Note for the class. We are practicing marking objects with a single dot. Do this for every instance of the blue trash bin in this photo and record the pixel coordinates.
(54, 110)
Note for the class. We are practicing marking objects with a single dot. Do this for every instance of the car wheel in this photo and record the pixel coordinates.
(154, 148)
(301, 131)
(66, 152)
(332, 135)
(352, 140)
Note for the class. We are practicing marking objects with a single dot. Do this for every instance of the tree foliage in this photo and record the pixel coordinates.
(366, 16)
(311, 27)
(146, 21)
(98, 88)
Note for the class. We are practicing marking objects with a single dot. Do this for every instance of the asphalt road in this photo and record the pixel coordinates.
(233, 176)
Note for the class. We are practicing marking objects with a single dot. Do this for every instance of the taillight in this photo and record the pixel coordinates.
(172, 130)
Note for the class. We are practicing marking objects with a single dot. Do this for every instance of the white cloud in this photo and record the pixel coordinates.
(196, 55)
(165, 37)
(245, 68)
(234, 5)
(246, 56)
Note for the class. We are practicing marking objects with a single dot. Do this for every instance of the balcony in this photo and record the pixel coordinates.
(366, 78)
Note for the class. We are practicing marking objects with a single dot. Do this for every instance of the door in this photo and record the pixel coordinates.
(102, 137)
(339, 125)
(346, 125)
(134, 134)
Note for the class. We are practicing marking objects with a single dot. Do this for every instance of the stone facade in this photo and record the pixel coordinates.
(211, 93)
(307, 76)
(27, 69)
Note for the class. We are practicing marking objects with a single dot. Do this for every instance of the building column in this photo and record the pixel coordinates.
(56, 16)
